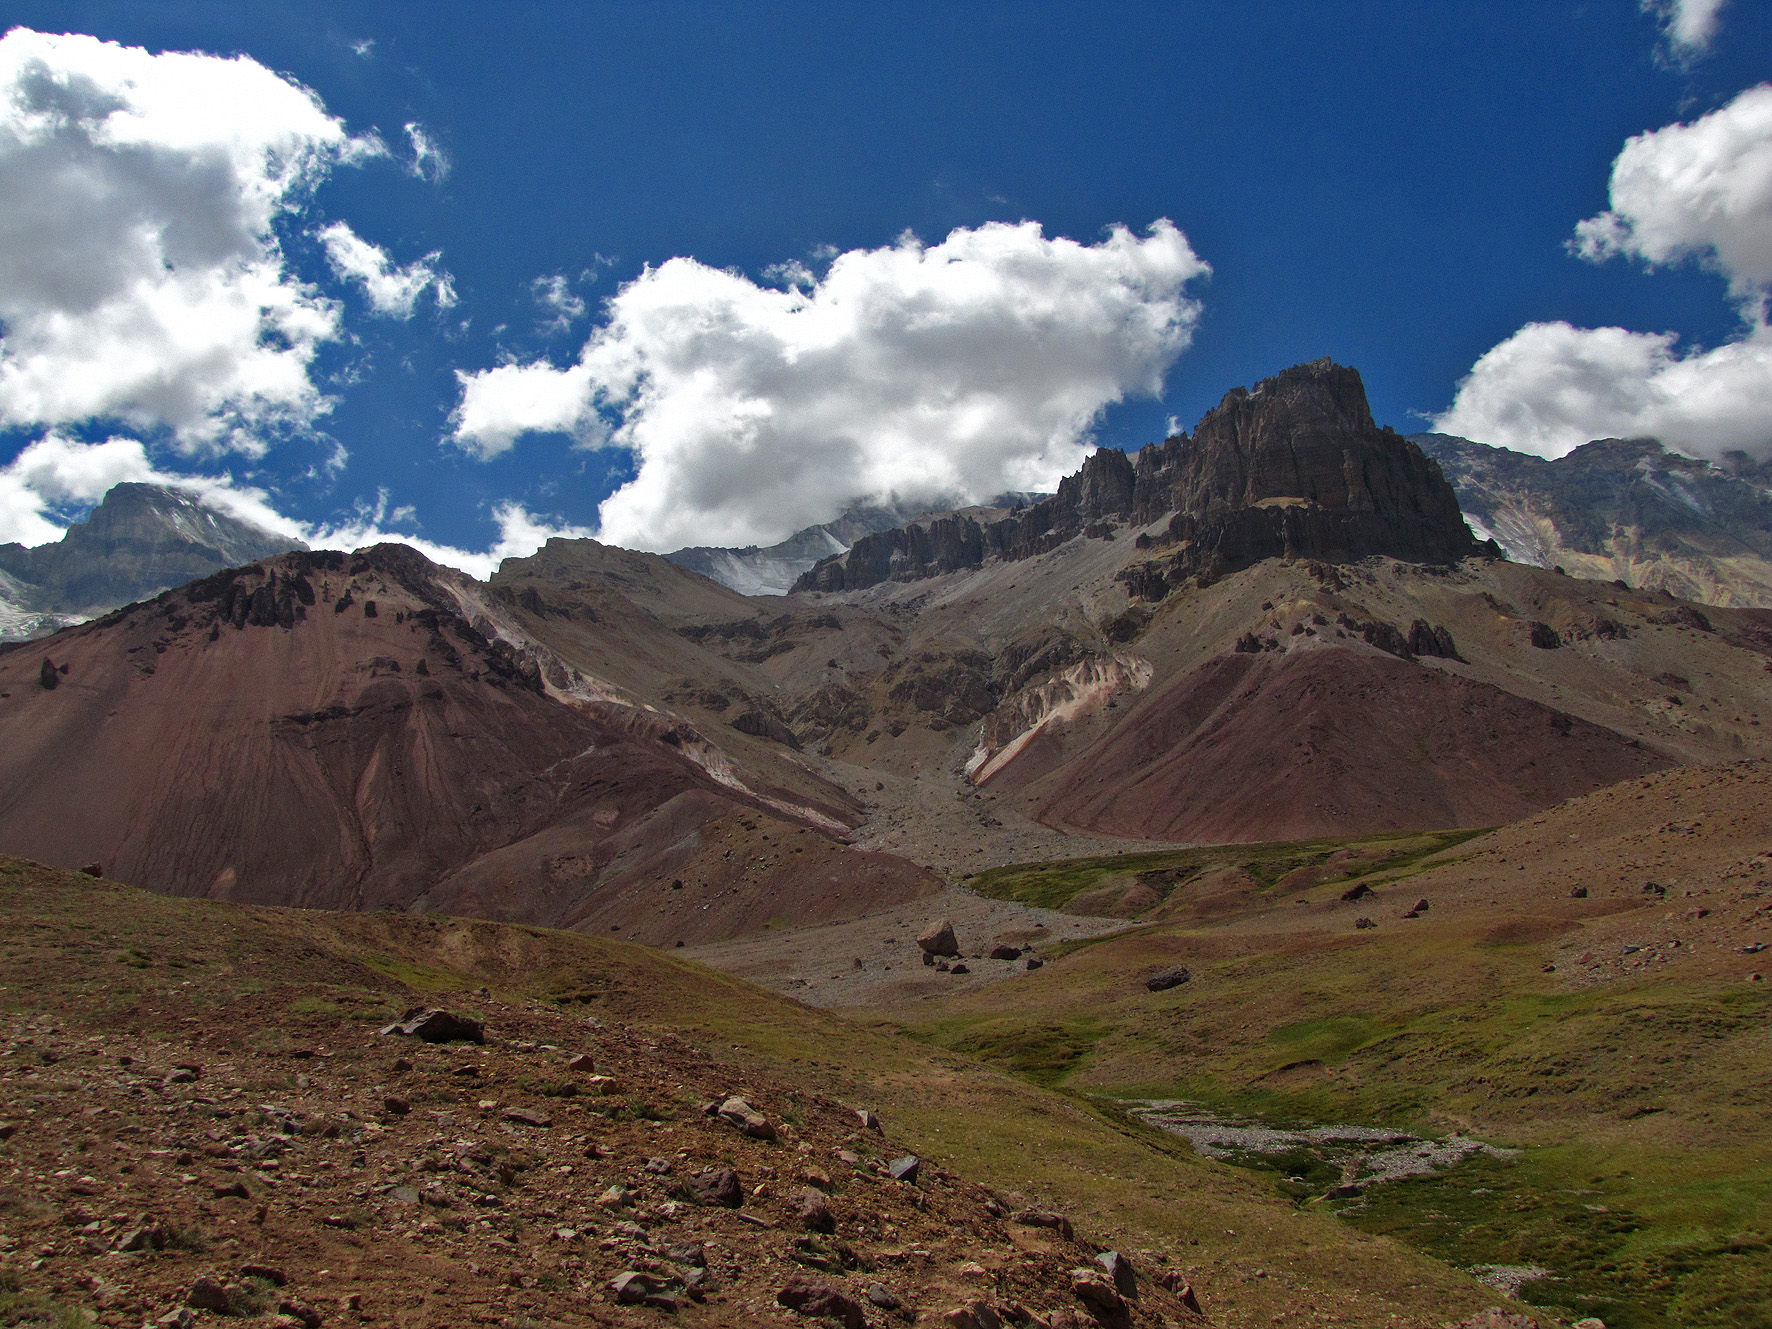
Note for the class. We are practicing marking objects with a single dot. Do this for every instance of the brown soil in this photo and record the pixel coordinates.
(1333, 741)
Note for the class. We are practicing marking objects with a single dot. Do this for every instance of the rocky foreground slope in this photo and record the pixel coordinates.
(204, 1118)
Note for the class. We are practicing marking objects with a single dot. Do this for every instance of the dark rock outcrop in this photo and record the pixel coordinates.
(1294, 468)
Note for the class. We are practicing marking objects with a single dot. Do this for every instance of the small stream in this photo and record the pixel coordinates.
(1344, 1159)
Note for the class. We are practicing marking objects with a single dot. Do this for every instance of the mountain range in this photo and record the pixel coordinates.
(1241, 790)
(1623, 508)
(140, 540)
(1277, 626)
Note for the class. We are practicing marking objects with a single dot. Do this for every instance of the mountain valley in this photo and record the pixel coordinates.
(1174, 751)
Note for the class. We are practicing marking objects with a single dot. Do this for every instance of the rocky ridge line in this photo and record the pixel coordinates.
(1294, 468)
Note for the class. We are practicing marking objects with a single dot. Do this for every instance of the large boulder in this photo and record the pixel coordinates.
(438, 1026)
(938, 938)
(1168, 978)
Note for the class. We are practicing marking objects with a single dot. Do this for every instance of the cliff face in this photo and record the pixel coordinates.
(140, 540)
(1626, 509)
(1293, 468)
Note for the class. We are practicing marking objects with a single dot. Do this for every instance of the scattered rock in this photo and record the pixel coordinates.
(689, 1254)
(1091, 1288)
(1496, 1318)
(1034, 962)
(1119, 1268)
(814, 1299)
(582, 1062)
(880, 1297)
(436, 1026)
(938, 939)
(717, 1186)
(48, 676)
(960, 969)
(749, 1121)
(1578, 893)
(398, 1107)
(300, 1312)
(1005, 952)
(973, 1315)
(1168, 978)
(1364, 923)
(616, 1197)
(869, 1122)
(1042, 1218)
(1359, 892)
(93, 870)
(149, 1238)
(637, 1288)
(905, 1169)
(1346, 1191)
(813, 1211)
(208, 1295)
(1420, 906)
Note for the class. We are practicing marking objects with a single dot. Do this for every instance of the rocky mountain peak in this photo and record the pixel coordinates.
(1293, 467)
(138, 541)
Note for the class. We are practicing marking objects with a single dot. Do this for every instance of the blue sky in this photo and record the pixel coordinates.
(1393, 185)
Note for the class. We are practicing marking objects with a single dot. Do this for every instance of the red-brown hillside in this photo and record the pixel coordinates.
(333, 732)
(1333, 741)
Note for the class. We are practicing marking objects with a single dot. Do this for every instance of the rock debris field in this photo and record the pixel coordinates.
(296, 1167)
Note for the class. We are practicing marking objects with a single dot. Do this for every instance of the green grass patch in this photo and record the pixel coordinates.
(1328, 1039)
(1664, 1242)
(1044, 1054)
(1054, 884)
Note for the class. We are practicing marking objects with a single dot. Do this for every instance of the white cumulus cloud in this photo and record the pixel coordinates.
(1695, 191)
(392, 290)
(1690, 25)
(1702, 192)
(140, 278)
(914, 371)
(1551, 387)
